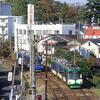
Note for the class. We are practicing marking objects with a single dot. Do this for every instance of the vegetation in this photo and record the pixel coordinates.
(46, 11)
(96, 91)
(91, 12)
(87, 65)
(5, 49)
(59, 52)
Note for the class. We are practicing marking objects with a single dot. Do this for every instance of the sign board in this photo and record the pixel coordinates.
(30, 14)
(96, 27)
(10, 76)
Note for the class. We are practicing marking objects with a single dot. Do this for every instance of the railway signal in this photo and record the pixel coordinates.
(39, 97)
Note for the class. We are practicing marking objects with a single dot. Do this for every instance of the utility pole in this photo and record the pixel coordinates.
(30, 43)
(32, 66)
(51, 51)
(78, 30)
(46, 74)
(13, 77)
(74, 52)
(22, 69)
(12, 89)
(22, 38)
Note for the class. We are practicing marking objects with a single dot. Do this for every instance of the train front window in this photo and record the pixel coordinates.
(74, 74)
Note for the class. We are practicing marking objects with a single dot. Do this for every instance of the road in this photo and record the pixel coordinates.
(5, 85)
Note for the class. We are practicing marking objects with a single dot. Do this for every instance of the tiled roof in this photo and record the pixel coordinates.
(94, 31)
(96, 41)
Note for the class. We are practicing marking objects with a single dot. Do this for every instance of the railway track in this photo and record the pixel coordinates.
(83, 95)
(58, 90)
(54, 88)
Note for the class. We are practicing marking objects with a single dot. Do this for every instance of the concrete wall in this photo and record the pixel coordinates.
(8, 23)
(5, 9)
(67, 28)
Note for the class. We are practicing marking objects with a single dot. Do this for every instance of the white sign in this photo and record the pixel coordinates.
(30, 14)
(96, 27)
(10, 76)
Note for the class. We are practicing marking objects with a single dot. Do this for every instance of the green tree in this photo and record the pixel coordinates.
(91, 62)
(86, 66)
(64, 11)
(58, 52)
(96, 81)
(69, 55)
(46, 11)
(33, 1)
(91, 12)
(82, 63)
(72, 15)
(5, 49)
(19, 8)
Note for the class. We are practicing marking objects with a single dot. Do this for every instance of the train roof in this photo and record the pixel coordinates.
(27, 56)
(65, 63)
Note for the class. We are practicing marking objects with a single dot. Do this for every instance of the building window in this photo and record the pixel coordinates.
(70, 32)
(17, 31)
(3, 20)
(24, 31)
(20, 31)
(99, 50)
(14, 20)
(88, 43)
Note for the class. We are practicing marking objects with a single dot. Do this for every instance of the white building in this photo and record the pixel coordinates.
(5, 9)
(92, 45)
(13, 26)
(52, 42)
(40, 30)
(7, 25)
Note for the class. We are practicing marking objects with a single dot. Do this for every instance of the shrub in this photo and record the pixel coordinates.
(96, 81)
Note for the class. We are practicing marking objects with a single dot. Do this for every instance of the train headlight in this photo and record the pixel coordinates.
(71, 81)
(79, 81)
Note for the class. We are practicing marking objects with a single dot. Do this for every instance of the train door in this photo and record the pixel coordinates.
(65, 75)
(53, 70)
(59, 71)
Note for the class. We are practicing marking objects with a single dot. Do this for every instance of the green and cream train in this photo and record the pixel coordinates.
(67, 72)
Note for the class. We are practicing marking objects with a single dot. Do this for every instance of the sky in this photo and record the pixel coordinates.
(78, 2)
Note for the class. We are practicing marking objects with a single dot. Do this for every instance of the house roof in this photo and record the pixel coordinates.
(93, 30)
(82, 41)
(58, 38)
(96, 41)
(70, 46)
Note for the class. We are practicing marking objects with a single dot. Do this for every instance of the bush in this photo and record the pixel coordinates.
(5, 49)
(49, 60)
(96, 81)
(97, 74)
